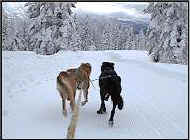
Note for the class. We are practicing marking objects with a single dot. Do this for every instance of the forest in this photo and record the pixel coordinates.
(47, 27)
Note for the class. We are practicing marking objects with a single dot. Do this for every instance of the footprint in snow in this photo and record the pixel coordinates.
(5, 113)
(10, 96)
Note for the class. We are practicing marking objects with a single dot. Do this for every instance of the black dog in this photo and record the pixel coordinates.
(110, 85)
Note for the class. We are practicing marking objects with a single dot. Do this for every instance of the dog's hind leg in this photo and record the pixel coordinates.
(102, 109)
(63, 97)
(72, 102)
(85, 87)
(106, 97)
(85, 94)
(120, 103)
(64, 107)
(112, 113)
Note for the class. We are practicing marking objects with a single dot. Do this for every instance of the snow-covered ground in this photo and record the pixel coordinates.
(155, 96)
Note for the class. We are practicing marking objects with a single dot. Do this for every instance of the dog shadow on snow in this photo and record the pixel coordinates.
(90, 119)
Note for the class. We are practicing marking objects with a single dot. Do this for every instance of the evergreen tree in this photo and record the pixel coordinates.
(167, 31)
(85, 35)
(141, 40)
(130, 38)
(4, 28)
(106, 38)
(49, 21)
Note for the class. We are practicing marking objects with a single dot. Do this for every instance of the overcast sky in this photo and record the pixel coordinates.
(120, 9)
(129, 8)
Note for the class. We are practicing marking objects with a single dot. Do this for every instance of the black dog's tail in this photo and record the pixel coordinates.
(120, 103)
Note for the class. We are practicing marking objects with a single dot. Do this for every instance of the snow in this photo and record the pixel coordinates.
(155, 96)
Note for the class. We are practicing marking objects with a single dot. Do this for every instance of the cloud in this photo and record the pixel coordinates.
(97, 7)
(14, 8)
(139, 6)
(133, 9)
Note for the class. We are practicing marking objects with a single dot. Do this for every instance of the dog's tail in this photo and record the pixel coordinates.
(62, 87)
(59, 80)
(60, 83)
(120, 103)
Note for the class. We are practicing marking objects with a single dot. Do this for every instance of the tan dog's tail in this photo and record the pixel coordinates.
(59, 81)
(62, 87)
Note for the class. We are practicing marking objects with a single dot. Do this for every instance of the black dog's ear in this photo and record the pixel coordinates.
(104, 63)
(108, 64)
(112, 64)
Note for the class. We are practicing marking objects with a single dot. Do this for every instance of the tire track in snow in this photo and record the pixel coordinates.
(44, 106)
(151, 67)
(165, 123)
(158, 70)
(168, 120)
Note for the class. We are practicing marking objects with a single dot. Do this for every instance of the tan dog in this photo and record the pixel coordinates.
(86, 82)
(68, 81)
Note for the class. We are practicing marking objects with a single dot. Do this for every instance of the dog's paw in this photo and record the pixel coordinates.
(65, 113)
(110, 123)
(106, 97)
(120, 106)
(101, 111)
(83, 103)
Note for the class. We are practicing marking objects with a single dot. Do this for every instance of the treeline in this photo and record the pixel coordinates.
(48, 27)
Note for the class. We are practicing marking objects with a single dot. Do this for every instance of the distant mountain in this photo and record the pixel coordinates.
(138, 25)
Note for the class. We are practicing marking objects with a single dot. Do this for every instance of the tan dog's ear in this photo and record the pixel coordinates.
(88, 64)
(84, 70)
(83, 75)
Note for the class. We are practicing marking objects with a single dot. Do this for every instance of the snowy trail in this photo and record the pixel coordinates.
(155, 96)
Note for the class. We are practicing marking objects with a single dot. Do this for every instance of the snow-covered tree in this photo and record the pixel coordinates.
(4, 27)
(75, 39)
(98, 28)
(130, 42)
(22, 40)
(106, 41)
(49, 23)
(115, 37)
(141, 40)
(167, 33)
(8, 28)
(15, 29)
(85, 34)
(123, 33)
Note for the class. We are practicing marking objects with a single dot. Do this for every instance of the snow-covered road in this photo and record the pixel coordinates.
(155, 96)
